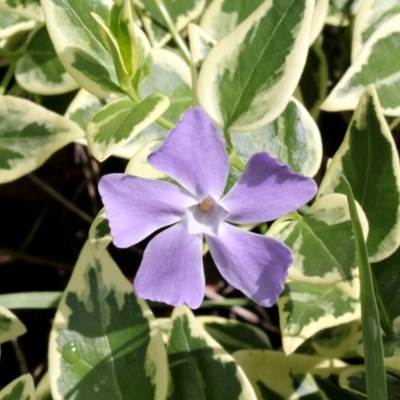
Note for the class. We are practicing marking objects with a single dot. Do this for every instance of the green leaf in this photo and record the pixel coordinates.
(307, 308)
(104, 341)
(277, 376)
(100, 234)
(30, 9)
(29, 135)
(199, 367)
(372, 341)
(223, 16)
(10, 326)
(369, 160)
(19, 389)
(13, 23)
(117, 123)
(30, 300)
(247, 79)
(234, 335)
(78, 44)
(39, 70)
(372, 14)
(325, 230)
(376, 64)
(293, 138)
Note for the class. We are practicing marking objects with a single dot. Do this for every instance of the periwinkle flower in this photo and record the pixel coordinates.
(194, 155)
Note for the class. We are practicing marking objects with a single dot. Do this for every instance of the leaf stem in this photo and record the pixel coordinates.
(135, 97)
(172, 29)
(57, 196)
(7, 78)
(372, 339)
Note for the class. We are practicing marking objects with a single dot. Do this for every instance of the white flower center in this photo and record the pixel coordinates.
(205, 217)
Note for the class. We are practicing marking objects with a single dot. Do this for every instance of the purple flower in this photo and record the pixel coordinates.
(194, 155)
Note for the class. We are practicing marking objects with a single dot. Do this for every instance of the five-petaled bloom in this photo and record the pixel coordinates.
(194, 155)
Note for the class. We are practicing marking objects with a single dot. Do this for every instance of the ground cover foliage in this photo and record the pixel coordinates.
(90, 89)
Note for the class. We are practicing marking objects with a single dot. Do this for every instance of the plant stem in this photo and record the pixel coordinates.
(57, 196)
(172, 29)
(7, 78)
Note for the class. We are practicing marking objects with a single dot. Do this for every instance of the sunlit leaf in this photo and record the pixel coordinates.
(29, 135)
(104, 341)
(247, 79)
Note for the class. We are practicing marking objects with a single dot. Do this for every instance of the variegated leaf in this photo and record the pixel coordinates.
(78, 44)
(39, 70)
(13, 23)
(30, 9)
(247, 79)
(320, 13)
(376, 64)
(222, 16)
(171, 76)
(112, 46)
(353, 379)
(341, 10)
(293, 138)
(10, 326)
(274, 375)
(43, 391)
(387, 283)
(336, 264)
(391, 348)
(181, 13)
(99, 234)
(307, 308)
(200, 45)
(336, 342)
(369, 160)
(83, 107)
(372, 14)
(19, 389)
(133, 44)
(199, 366)
(234, 335)
(139, 166)
(314, 81)
(117, 123)
(29, 135)
(104, 342)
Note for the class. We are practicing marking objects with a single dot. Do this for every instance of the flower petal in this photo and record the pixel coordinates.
(266, 190)
(136, 207)
(172, 268)
(256, 265)
(194, 155)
